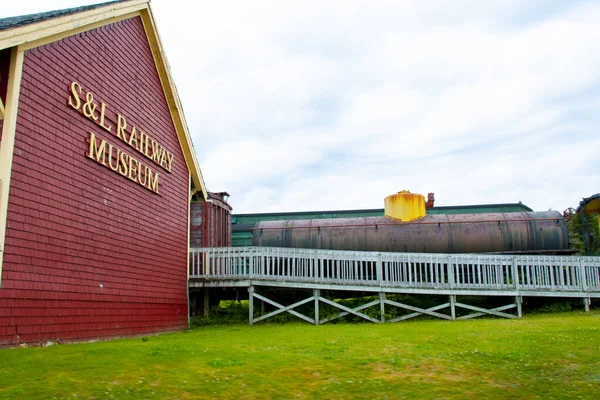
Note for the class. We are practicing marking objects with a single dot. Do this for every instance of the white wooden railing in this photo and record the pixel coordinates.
(399, 270)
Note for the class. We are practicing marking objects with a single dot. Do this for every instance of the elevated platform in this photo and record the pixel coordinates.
(379, 273)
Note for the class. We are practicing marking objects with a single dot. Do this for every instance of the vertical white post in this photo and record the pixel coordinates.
(316, 293)
(453, 307)
(251, 305)
(206, 264)
(582, 276)
(320, 261)
(451, 268)
(382, 306)
(379, 269)
(515, 273)
(586, 304)
(519, 300)
(7, 145)
(251, 270)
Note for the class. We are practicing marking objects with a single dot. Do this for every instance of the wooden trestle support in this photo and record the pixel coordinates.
(382, 301)
(381, 274)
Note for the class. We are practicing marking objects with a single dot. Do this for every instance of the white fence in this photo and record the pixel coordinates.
(399, 270)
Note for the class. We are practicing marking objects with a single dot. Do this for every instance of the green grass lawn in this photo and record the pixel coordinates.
(544, 356)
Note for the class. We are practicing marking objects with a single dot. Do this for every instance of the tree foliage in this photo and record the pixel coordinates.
(583, 232)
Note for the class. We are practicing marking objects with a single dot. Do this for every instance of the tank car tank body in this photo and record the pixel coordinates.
(519, 232)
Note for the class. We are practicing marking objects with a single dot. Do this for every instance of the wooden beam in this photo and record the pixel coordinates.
(420, 310)
(226, 281)
(316, 295)
(416, 314)
(382, 306)
(282, 308)
(173, 101)
(55, 26)
(7, 145)
(79, 29)
(189, 216)
(353, 311)
(251, 305)
(482, 311)
(343, 314)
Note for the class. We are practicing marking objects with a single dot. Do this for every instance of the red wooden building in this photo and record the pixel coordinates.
(97, 170)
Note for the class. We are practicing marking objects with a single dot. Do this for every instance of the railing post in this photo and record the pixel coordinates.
(382, 306)
(251, 265)
(321, 276)
(582, 276)
(379, 269)
(451, 268)
(515, 273)
(586, 304)
(251, 305)
(316, 293)
(453, 307)
(314, 263)
(519, 301)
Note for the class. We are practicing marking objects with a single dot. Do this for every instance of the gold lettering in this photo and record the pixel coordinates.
(75, 101)
(146, 137)
(141, 142)
(123, 167)
(89, 107)
(97, 153)
(156, 154)
(133, 168)
(152, 181)
(114, 167)
(169, 161)
(121, 126)
(163, 159)
(120, 161)
(133, 139)
(123, 163)
(102, 114)
(139, 173)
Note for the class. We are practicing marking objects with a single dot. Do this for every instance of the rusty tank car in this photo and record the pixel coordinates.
(407, 228)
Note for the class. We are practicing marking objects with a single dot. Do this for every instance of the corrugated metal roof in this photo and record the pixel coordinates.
(15, 22)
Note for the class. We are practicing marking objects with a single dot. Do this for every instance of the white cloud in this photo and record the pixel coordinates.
(328, 105)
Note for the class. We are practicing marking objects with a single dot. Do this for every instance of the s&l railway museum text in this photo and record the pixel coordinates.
(114, 158)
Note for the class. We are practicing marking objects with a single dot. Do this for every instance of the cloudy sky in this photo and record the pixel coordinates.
(320, 105)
